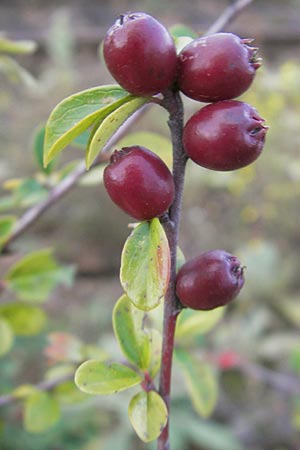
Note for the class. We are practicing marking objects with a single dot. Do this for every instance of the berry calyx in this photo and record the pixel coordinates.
(139, 182)
(225, 135)
(217, 67)
(210, 280)
(140, 54)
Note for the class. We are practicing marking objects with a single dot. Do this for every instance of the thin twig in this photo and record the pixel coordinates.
(228, 16)
(282, 382)
(33, 214)
(46, 385)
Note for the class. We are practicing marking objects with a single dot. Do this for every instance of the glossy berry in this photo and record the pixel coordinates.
(140, 54)
(210, 280)
(217, 67)
(225, 135)
(139, 182)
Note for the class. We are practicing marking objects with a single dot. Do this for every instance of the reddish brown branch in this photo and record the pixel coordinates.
(228, 16)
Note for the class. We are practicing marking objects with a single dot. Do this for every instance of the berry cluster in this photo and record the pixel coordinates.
(225, 135)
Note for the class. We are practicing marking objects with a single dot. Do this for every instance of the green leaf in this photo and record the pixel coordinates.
(29, 192)
(200, 381)
(38, 150)
(182, 35)
(129, 330)
(6, 226)
(6, 336)
(16, 47)
(97, 377)
(25, 320)
(193, 323)
(148, 415)
(36, 275)
(145, 265)
(110, 125)
(182, 30)
(155, 352)
(68, 394)
(7, 203)
(41, 412)
(82, 140)
(75, 114)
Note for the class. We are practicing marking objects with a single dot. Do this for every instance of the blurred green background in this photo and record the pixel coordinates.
(253, 213)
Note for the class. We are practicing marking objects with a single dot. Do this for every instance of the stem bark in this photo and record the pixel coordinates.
(173, 104)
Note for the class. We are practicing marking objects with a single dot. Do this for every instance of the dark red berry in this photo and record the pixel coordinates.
(140, 54)
(210, 280)
(225, 135)
(217, 67)
(139, 182)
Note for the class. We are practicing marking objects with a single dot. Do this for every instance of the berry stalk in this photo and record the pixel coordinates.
(173, 104)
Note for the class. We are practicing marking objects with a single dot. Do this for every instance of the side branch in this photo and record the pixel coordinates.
(33, 214)
(228, 16)
(46, 385)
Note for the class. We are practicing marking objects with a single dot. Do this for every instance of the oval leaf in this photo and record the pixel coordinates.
(41, 411)
(129, 330)
(77, 113)
(25, 320)
(201, 383)
(145, 265)
(193, 323)
(110, 125)
(148, 415)
(97, 377)
(6, 337)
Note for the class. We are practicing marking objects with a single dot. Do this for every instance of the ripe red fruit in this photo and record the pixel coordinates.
(140, 54)
(217, 67)
(139, 182)
(210, 280)
(228, 360)
(225, 135)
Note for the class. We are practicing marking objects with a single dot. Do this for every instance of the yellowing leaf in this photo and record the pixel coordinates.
(145, 265)
(155, 352)
(75, 114)
(109, 125)
(129, 330)
(97, 377)
(148, 415)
